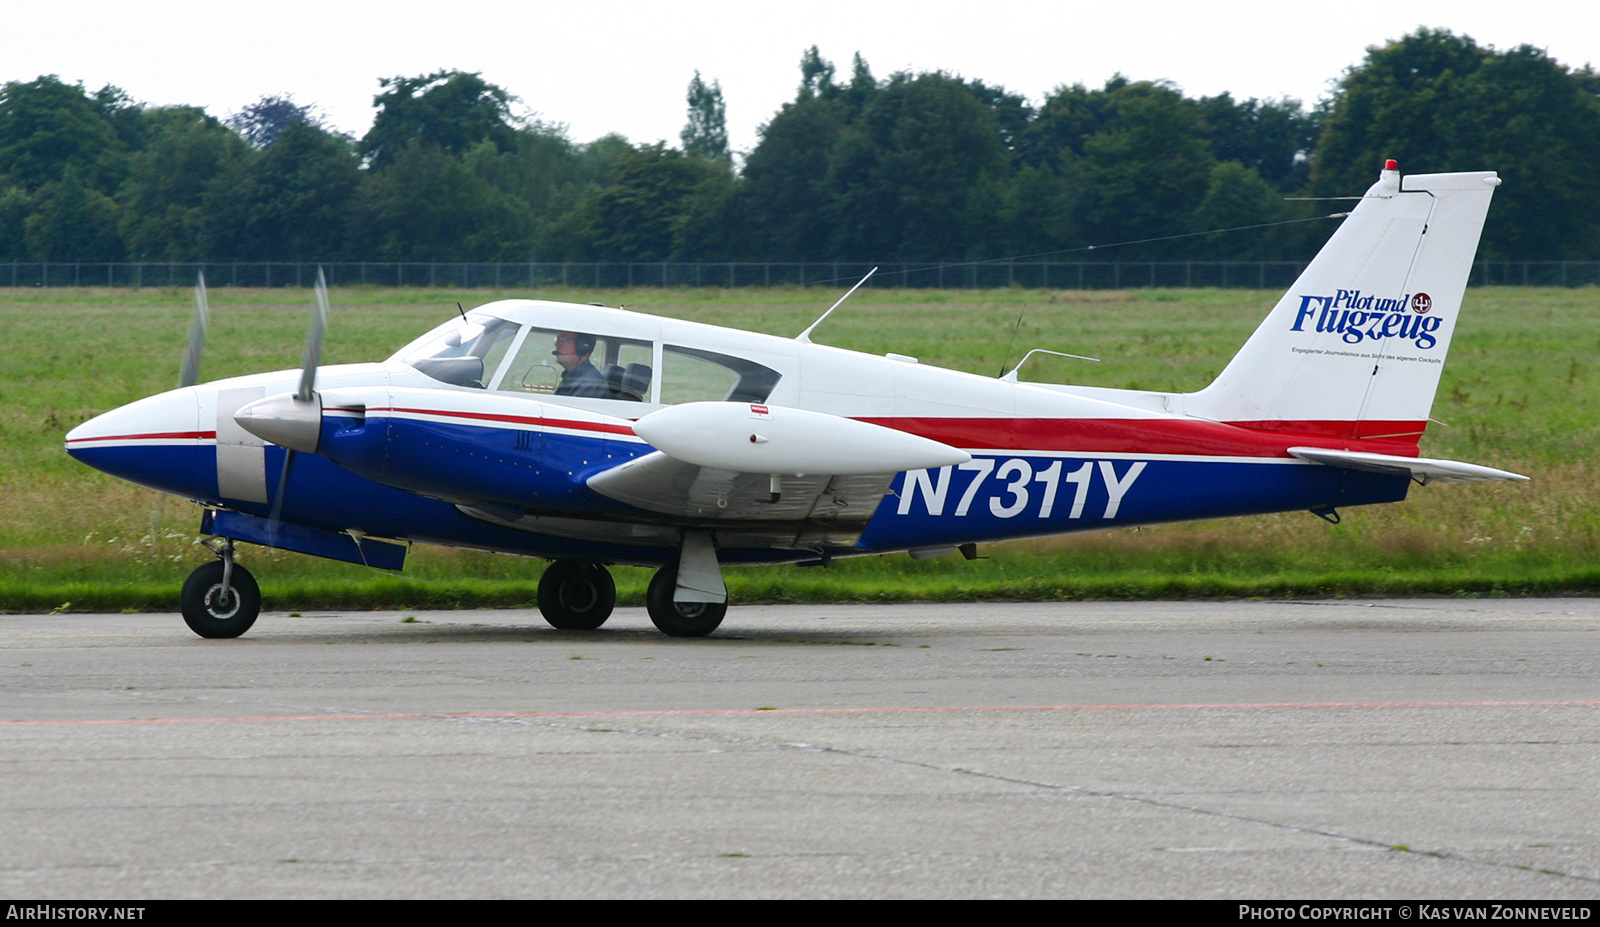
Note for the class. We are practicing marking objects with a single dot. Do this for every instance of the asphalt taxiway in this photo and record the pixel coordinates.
(1436, 748)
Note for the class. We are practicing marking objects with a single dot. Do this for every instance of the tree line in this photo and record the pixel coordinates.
(912, 167)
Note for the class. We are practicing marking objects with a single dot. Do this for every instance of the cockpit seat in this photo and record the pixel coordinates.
(631, 383)
(636, 381)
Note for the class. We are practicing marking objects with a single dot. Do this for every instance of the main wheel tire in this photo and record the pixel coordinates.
(576, 595)
(211, 611)
(680, 619)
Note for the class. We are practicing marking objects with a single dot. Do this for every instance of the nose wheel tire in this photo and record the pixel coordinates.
(680, 619)
(212, 611)
(575, 595)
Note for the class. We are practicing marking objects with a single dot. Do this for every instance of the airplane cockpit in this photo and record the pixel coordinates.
(499, 354)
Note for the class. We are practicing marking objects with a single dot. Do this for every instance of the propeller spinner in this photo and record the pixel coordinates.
(294, 420)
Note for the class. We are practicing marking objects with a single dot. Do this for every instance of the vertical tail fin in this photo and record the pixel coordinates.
(1356, 346)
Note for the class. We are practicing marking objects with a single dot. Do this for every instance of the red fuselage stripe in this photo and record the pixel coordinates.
(517, 419)
(1103, 436)
(159, 436)
(1157, 435)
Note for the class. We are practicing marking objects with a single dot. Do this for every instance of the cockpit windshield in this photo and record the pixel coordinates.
(462, 354)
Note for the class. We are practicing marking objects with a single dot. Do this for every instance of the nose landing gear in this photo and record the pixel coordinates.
(221, 598)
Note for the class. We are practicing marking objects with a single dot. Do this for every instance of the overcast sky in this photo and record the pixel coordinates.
(621, 66)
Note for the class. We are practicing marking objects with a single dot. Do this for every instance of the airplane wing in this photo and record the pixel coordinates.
(796, 477)
(1422, 469)
(760, 438)
(807, 511)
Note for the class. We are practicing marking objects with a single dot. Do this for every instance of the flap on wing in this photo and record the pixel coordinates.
(1423, 469)
(659, 483)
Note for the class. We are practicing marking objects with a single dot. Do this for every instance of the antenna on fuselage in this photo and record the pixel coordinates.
(1017, 328)
(1012, 376)
(805, 336)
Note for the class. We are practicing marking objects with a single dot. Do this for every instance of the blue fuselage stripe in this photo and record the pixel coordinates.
(401, 478)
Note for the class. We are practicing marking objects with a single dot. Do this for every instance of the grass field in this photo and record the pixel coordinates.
(1521, 391)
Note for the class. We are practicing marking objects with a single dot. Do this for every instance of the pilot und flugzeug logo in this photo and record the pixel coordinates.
(1356, 317)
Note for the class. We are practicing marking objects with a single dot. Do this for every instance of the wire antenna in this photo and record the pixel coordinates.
(1017, 328)
(805, 336)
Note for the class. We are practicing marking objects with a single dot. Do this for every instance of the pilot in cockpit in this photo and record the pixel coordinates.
(580, 377)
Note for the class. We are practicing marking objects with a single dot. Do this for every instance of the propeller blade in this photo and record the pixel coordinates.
(283, 486)
(309, 359)
(190, 374)
(314, 334)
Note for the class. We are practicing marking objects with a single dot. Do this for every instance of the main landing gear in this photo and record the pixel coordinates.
(576, 595)
(221, 598)
(680, 619)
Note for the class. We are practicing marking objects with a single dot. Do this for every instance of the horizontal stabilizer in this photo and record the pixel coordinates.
(1422, 469)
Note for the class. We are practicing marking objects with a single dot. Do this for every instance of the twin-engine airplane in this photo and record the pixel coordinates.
(594, 436)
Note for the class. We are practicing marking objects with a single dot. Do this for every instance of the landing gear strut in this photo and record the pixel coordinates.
(680, 619)
(221, 598)
(576, 595)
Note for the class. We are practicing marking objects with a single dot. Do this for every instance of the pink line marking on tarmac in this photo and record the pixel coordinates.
(505, 715)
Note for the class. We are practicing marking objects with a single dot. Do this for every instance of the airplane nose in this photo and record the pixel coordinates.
(285, 421)
(154, 442)
(164, 418)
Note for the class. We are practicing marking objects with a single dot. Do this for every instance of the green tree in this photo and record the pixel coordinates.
(902, 176)
(452, 110)
(49, 128)
(706, 134)
(816, 76)
(784, 194)
(1436, 101)
(1145, 171)
(1070, 115)
(162, 198)
(263, 121)
(1012, 114)
(430, 206)
(1034, 211)
(1238, 197)
(543, 178)
(70, 220)
(125, 116)
(290, 202)
(657, 204)
(14, 209)
(862, 87)
(1272, 137)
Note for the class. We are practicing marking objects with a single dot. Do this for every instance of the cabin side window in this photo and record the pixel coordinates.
(579, 364)
(496, 354)
(695, 375)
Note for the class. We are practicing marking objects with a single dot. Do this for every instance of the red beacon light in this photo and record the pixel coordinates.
(1391, 165)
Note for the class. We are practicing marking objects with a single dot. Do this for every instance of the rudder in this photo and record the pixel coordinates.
(1355, 348)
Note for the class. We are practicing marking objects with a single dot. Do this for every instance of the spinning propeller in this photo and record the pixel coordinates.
(188, 374)
(293, 421)
(306, 401)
